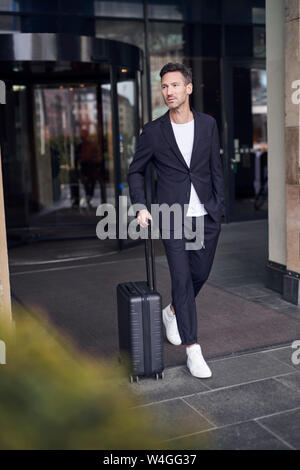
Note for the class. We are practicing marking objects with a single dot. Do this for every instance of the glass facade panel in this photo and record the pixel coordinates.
(70, 164)
(9, 5)
(57, 154)
(259, 107)
(107, 143)
(232, 12)
(35, 6)
(193, 10)
(249, 125)
(9, 24)
(167, 9)
(238, 41)
(206, 12)
(131, 32)
(78, 7)
(258, 15)
(40, 24)
(128, 111)
(16, 148)
(178, 31)
(259, 41)
(119, 8)
(206, 95)
(243, 11)
(127, 125)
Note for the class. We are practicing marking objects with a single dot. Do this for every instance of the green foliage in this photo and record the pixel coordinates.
(54, 397)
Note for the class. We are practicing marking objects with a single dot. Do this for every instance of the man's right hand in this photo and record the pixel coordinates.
(143, 217)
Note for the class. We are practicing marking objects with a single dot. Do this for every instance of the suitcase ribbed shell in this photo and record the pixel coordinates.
(140, 327)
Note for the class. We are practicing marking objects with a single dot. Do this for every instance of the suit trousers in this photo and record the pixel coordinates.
(189, 269)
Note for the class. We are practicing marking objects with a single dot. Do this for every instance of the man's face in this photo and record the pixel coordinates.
(174, 90)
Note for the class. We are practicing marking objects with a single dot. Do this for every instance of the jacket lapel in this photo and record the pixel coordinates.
(170, 136)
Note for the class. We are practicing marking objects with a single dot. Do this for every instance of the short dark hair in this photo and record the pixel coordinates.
(177, 67)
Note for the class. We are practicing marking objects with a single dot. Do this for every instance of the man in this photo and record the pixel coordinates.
(184, 147)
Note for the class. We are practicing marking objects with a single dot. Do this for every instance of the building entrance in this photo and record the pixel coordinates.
(68, 135)
(245, 140)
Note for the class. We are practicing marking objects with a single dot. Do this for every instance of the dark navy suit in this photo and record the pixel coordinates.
(189, 269)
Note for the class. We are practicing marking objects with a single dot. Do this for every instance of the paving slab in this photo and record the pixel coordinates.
(177, 382)
(176, 418)
(243, 436)
(284, 355)
(285, 426)
(244, 402)
(244, 368)
(291, 380)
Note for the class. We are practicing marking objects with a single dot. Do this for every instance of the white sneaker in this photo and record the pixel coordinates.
(170, 322)
(196, 363)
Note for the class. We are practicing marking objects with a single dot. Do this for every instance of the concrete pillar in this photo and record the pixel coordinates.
(5, 300)
(291, 289)
(276, 160)
(283, 69)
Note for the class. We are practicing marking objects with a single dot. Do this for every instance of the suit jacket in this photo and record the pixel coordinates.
(157, 143)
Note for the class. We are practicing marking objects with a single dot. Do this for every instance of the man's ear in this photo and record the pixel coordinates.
(189, 88)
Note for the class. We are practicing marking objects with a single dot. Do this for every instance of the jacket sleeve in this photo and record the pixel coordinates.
(136, 172)
(217, 168)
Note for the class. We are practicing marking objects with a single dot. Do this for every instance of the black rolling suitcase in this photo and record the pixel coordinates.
(140, 323)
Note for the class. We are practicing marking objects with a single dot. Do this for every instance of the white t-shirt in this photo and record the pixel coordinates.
(184, 135)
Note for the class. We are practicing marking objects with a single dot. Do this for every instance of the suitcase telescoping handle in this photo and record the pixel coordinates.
(151, 281)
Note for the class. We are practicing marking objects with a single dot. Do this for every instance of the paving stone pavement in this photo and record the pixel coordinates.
(252, 401)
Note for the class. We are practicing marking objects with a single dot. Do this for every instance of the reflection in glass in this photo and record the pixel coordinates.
(243, 12)
(127, 127)
(193, 10)
(9, 24)
(259, 107)
(167, 9)
(69, 156)
(72, 145)
(259, 41)
(57, 156)
(258, 15)
(9, 5)
(131, 32)
(249, 162)
(107, 133)
(15, 149)
(119, 8)
(128, 110)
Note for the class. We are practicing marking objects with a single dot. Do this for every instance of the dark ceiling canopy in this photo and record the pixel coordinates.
(68, 47)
